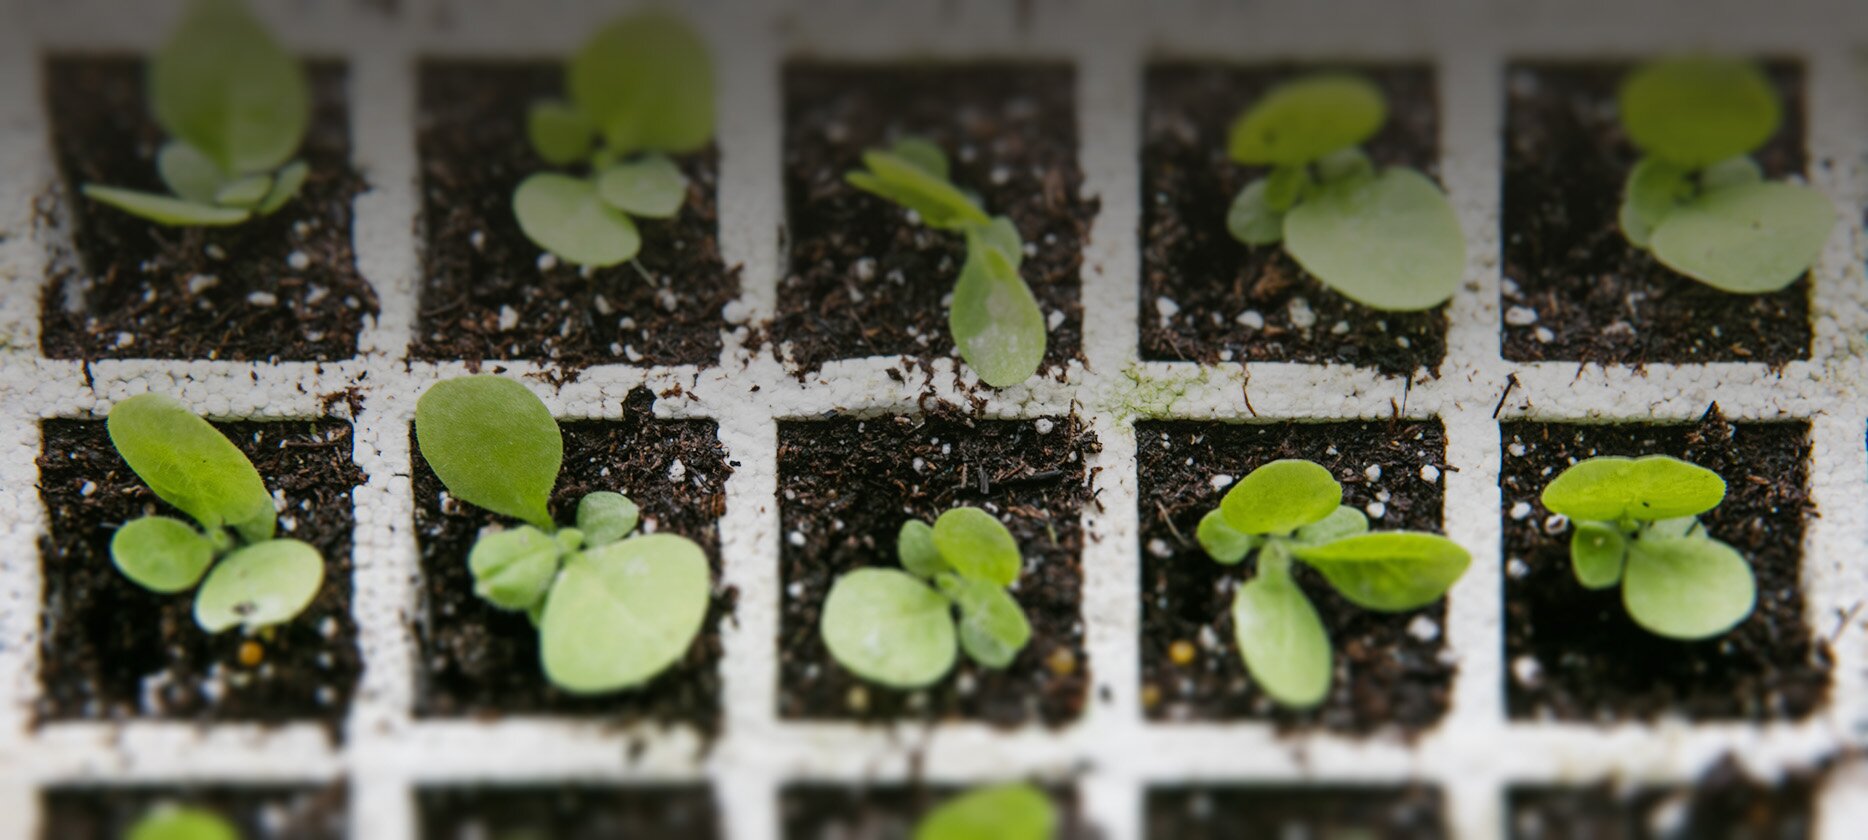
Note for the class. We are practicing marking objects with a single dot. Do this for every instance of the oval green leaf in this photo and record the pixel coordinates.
(290, 180)
(622, 613)
(1282, 641)
(1005, 812)
(606, 517)
(164, 210)
(514, 568)
(492, 443)
(1281, 497)
(940, 204)
(189, 173)
(1746, 239)
(1306, 119)
(1696, 111)
(647, 83)
(1654, 188)
(1344, 521)
(1597, 550)
(1000, 234)
(1390, 571)
(560, 134)
(651, 186)
(260, 585)
(1251, 218)
(1390, 242)
(993, 628)
(246, 191)
(161, 554)
(566, 216)
(176, 822)
(889, 628)
(1731, 172)
(1225, 544)
(222, 85)
(977, 546)
(1611, 488)
(923, 153)
(191, 465)
(995, 320)
(915, 548)
(1687, 588)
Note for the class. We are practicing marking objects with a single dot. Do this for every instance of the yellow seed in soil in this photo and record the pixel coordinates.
(1182, 652)
(1151, 696)
(251, 653)
(1062, 662)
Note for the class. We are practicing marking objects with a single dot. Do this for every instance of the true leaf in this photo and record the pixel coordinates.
(1696, 111)
(1390, 242)
(624, 612)
(285, 185)
(1344, 521)
(888, 627)
(165, 210)
(1746, 239)
(191, 465)
(1610, 488)
(189, 173)
(1006, 812)
(977, 546)
(1284, 186)
(651, 186)
(1389, 571)
(561, 134)
(514, 568)
(938, 203)
(1597, 550)
(566, 216)
(161, 554)
(1655, 187)
(1303, 120)
(492, 443)
(1281, 640)
(647, 83)
(1345, 165)
(995, 320)
(1281, 497)
(1687, 588)
(606, 517)
(222, 85)
(993, 628)
(246, 191)
(263, 584)
(1224, 543)
(1251, 218)
(175, 822)
(1000, 234)
(1730, 172)
(923, 153)
(915, 548)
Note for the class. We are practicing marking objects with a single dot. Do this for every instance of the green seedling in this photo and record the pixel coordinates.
(1386, 239)
(1292, 510)
(1637, 525)
(235, 107)
(612, 610)
(1696, 200)
(896, 628)
(252, 580)
(994, 318)
(1003, 812)
(180, 822)
(641, 89)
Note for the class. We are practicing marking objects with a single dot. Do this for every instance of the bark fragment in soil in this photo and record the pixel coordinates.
(836, 812)
(113, 650)
(1724, 804)
(259, 812)
(865, 280)
(846, 486)
(1207, 297)
(568, 812)
(1574, 654)
(1377, 813)
(489, 293)
(1391, 669)
(283, 287)
(1573, 288)
(477, 659)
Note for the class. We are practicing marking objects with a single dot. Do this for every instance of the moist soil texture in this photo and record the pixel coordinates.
(113, 650)
(1392, 670)
(1375, 813)
(260, 812)
(281, 287)
(830, 812)
(845, 488)
(567, 812)
(1573, 288)
(1724, 804)
(866, 279)
(1206, 296)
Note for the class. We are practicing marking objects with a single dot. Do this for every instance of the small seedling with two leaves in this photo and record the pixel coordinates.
(181, 822)
(236, 107)
(641, 89)
(1637, 525)
(1002, 812)
(255, 581)
(612, 610)
(1696, 200)
(893, 628)
(1386, 239)
(1292, 510)
(994, 318)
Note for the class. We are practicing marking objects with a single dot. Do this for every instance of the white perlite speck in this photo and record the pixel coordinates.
(1520, 316)
(1520, 510)
(1429, 473)
(508, 318)
(1251, 320)
(1302, 316)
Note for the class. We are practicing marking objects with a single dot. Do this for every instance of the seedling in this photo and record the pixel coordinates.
(612, 610)
(177, 822)
(641, 89)
(1637, 525)
(1387, 239)
(235, 107)
(994, 319)
(253, 580)
(1696, 200)
(1292, 510)
(1004, 812)
(893, 628)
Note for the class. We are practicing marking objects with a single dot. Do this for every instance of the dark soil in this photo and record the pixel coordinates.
(1211, 279)
(835, 812)
(477, 659)
(130, 289)
(866, 281)
(569, 812)
(846, 486)
(1597, 298)
(664, 309)
(1375, 813)
(1574, 654)
(1725, 804)
(1386, 676)
(260, 813)
(113, 650)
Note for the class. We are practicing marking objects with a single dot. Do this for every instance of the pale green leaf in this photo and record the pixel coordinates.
(1005, 812)
(1731, 172)
(1281, 640)
(492, 443)
(1000, 234)
(888, 627)
(290, 180)
(915, 548)
(1390, 242)
(222, 85)
(166, 210)
(977, 546)
(514, 568)
(1344, 521)
(560, 134)
(566, 216)
(1611, 488)
(647, 82)
(189, 174)
(923, 153)
(1654, 188)
(1284, 186)
(651, 186)
(1597, 550)
(1390, 571)
(606, 517)
(1679, 526)
(1224, 543)
(1303, 120)
(178, 822)
(624, 612)
(995, 320)
(1345, 165)
(1251, 219)
(1687, 588)
(939, 204)
(1746, 239)
(1281, 497)
(993, 628)
(263, 584)
(245, 191)
(161, 554)
(191, 465)
(1696, 111)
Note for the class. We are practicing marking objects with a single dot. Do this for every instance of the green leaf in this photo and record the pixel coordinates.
(1390, 242)
(1731, 172)
(647, 83)
(1687, 588)
(889, 628)
(1679, 526)
(514, 568)
(176, 822)
(163, 210)
(246, 191)
(191, 465)
(940, 204)
(161, 554)
(923, 153)
(1696, 111)
(1655, 187)
(1303, 120)
(622, 613)
(1284, 186)
(1005, 812)
(290, 180)
(1224, 543)
(1345, 165)
(492, 443)
(263, 584)
(1281, 497)
(560, 134)
(1390, 571)
(222, 85)
(993, 628)
(999, 234)
(651, 186)
(1610, 489)
(977, 546)
(189, 173)
(915, 548)
(995, 320)
(1281, 640)
(1344, 521)
(566, 216)
(1251, 219)
(1597, 550)
(1746, 239)
(606, 517)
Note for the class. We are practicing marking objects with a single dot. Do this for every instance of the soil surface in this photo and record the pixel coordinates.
(1725, 804)
(1573, 288)
(488, 292)
(832, 812)
(477, 659)
(1574, 654)
(113, 650)
(570, 812)
(1374, 813)
(260, 813)
(846, 486)
(1207, 297)
(1392, 670)
(865, 279)
(283, 287)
